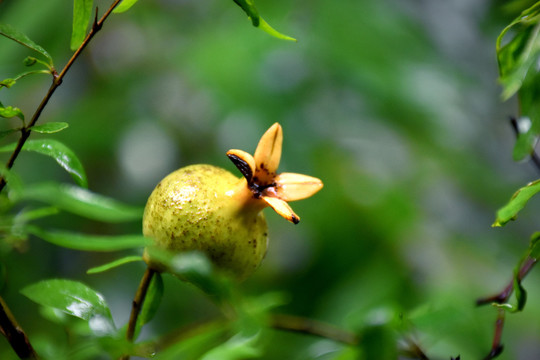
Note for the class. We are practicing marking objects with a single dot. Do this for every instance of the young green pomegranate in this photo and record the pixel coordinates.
(206, 208)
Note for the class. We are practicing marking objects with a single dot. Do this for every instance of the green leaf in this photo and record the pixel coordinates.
(240, 346)
(258, 21)
(515, 60)
(379, 342)
(82, 10)
(525, 141)
(519, 54)
(203, 337)
(151, 302)
(196, 268)
(519, 73)
(114, 264)
(82, 202)
(86, 242)
(17, 36)
(516, 203)
(519, 290)
(12, 81)
(73, 298)
(13, 181)
(58, 151)
(50, 128)
(125, 5)
(9, 82)
(271, 31)
(10, 112)
(3, 276)
(250, 10)
(348, 353)
(534, 246)
(29, 61)
(529, 99)
(5, 133)
(29, 215)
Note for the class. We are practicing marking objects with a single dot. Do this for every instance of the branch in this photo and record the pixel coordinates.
(496, 346)
(313, 327)
(500, 298)
(14, 334)
(137, 304)
(57, 80)
(505, 294)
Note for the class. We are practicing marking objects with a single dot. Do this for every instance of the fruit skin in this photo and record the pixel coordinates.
(206, 208)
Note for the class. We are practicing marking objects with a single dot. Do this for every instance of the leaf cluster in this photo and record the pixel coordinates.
(517, 58)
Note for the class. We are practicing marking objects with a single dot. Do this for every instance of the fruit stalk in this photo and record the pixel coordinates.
(137, 304)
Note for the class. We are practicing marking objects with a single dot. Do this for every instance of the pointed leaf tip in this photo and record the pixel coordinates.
(517, 202)
(71, 297)
(11, 33)
(82, 11)
(82, 202)
(63, 155)
(124, 6)
(114, 264)
(10, 112)
(264, 26)
(50, 128)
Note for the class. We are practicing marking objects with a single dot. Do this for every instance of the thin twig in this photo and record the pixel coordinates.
(57, 80)
(14, 334)
(313, 327)
(137, 304)
(283, 322)
(500, 298)
(497, 347)
(505, 294)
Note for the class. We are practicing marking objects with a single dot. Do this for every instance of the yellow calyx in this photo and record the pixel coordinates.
(266, 185)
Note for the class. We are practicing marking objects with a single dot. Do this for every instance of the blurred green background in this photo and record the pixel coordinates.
(393, 104)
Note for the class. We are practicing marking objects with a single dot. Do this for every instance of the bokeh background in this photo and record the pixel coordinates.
(394, 104)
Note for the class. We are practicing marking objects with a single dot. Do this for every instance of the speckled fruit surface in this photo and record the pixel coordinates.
(206, 208)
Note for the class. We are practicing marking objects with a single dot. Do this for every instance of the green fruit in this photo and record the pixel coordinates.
(206, 208)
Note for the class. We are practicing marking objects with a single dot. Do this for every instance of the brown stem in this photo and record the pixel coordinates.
(57, 80)
(137, 304)
(502, 297)
(279, 322)
(14, 334)
(312, 327)
(496, 346)
(505, 294)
